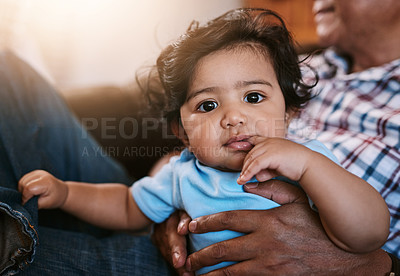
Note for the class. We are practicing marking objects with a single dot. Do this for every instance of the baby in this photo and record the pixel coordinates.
(230, 87)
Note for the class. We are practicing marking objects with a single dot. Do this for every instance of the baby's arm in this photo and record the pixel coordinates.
(106, 205)
(353, 213)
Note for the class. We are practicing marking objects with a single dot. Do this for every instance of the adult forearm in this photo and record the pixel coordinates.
(375, 263)
(294, 243)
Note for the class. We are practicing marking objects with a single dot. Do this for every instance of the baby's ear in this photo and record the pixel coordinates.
(179, 132)
(290, 114)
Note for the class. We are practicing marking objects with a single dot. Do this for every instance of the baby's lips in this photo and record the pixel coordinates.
(240, 145)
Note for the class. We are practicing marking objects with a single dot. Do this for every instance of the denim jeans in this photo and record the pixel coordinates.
(38, 131)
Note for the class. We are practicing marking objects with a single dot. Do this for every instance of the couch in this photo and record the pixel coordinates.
(120, 120)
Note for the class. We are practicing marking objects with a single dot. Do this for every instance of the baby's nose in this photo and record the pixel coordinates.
(232, 118)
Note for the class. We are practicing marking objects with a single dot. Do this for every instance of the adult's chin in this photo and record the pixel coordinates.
(328, 34)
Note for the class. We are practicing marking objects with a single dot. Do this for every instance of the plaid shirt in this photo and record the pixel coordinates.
(357, 116)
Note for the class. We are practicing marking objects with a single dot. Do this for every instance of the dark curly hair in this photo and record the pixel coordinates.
(260, 29)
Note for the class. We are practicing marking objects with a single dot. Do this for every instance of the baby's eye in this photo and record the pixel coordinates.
(253, 97)
(207, 106)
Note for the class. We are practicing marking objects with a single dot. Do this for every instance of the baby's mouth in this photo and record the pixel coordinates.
(240, 143)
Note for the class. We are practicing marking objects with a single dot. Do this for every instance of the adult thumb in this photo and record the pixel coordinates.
(279, 191)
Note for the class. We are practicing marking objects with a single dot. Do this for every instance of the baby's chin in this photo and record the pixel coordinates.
(225, 169)
(231, 166)
(228, 163)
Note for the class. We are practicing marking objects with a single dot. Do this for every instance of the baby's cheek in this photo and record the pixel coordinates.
(202, 132)
(270, 128)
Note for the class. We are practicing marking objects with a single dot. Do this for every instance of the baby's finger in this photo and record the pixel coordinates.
(261, 146)
(257, 139)
(259, 152)
(253, 167)
(251, 155)
(23, 181)
(27, 178)
(33, 188)
(265, 175)
(245, 175)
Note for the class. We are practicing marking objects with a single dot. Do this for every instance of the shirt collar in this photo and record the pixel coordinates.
(337, 66)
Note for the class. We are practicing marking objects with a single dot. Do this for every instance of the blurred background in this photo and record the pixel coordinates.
(81, 43)
(90, 51)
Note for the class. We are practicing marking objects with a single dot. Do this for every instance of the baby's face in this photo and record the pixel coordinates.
(234, 95)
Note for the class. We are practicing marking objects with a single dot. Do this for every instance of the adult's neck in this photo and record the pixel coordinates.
(367, 53)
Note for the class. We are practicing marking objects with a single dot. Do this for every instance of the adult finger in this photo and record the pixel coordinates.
(171, 244)
(236, 249)
(242, 221)
(249, 267)
(279, 191)
(183, 225)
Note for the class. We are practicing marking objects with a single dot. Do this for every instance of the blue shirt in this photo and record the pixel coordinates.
(186, 184)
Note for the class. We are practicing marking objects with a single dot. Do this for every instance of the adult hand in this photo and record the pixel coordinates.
(170, 238)
(287, 240)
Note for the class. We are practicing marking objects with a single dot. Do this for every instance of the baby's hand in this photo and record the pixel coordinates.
(271, 157)
(52, 192)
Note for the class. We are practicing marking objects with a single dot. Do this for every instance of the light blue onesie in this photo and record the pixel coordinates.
(186, 184)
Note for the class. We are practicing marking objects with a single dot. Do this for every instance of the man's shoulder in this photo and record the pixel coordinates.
(327, 63)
